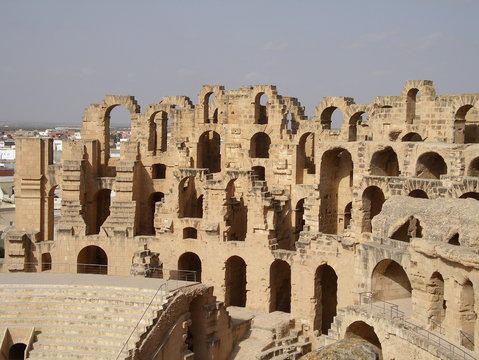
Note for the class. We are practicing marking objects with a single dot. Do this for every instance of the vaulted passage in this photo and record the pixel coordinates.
(326, 299)
(209, 151)
(390, 282)
(336, 181)
(191, 262)
(360, 329)
(280, 286)
(373, 200)
(384, 163)
(418, 193)
(235, 282)
(410, 229)
(92, 260)
(430, 165)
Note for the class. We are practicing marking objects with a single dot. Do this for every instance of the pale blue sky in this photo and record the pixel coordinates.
(59, 56)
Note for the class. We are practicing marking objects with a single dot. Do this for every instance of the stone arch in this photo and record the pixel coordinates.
(159, 124)
(411, 137)
(235, 282)
(389, 281)
(190, 233)
(210, 108)
(466, 123)
(470, 195)
(280, 286)
(188, 199)
(158, 171)
(430, 165)
(360, 329)
(437, 307)
(261, 102)
(411, 99)
(299, 220)
(46, 261)
(384, 163)
(305, 165)
(329, 115)
(419, 194)
(356, 119)
(92, 259)
(410, 229)
(209, 151)
(467, 315)
(17, 351)
(189, 261)
(335, 185)
(473, 169)
(373, 200)
(259, 145)
(326, 298)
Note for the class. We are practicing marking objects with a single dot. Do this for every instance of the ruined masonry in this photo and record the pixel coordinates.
(359, 232)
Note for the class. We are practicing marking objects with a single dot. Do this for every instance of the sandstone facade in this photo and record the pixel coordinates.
(275, 210)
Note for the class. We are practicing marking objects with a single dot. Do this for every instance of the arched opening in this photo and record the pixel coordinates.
(209, 151)
(147, 218)
(46, 262)
(103, 202)
(361, 330)
(390, 281)
(305, 166)
(261, 108)
(373, 200)
(331, 118)
(17, 351)
(419, 194)
(236, 217)
(467, 315)
(470, 195)
(354, 121)
(326, 298)
(290, 123)
(411, 137)
(410, 229)
(50, 218)
(158, 171)
(159, 124)
(454, 240)
(190, 233)
(92, 259)
(336, 181)
(259, 172)
(259, 146)
(280, 286)
(191, 262)
(411, 105)
(190, 204)
(474, 168)
(430, 165)
(117, 128)
(235, 282)
(384, 163)
(466, 125)
(210, 108)
(347, 215)
(298, 219)
(435, 291)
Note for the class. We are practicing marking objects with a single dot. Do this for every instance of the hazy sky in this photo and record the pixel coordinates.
(59, 56)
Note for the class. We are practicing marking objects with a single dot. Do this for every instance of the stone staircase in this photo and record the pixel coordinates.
(79, 321)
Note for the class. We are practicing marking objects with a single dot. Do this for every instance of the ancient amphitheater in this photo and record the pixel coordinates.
(237, 228)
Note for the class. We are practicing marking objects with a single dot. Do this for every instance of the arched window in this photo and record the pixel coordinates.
(466, 125)
(411, 137)
(158, 171)
(190, 233)
(211, 108)
(235, 282)
(430, 165)
(373, 200)
(385, 163)
(118, 123)
(474, 168)
(261, 108)
(260, 144)
(354, 121)
(331, 118)
(298, 219)
(305, 166)
(411, 105)
(419, 194)
(209, 151)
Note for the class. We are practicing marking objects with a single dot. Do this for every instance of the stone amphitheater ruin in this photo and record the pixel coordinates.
(361, 241)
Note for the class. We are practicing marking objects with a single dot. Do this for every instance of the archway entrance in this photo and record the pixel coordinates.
(325, 294)
(17, 351)
(373, 199)
(190, 261)
(361, 330)
(92, 260)
(280, 286)
(390, 282)
(235, 282)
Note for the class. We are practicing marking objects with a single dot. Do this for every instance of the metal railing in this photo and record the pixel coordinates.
(467, 340)
(101, 269)
(391, 310)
